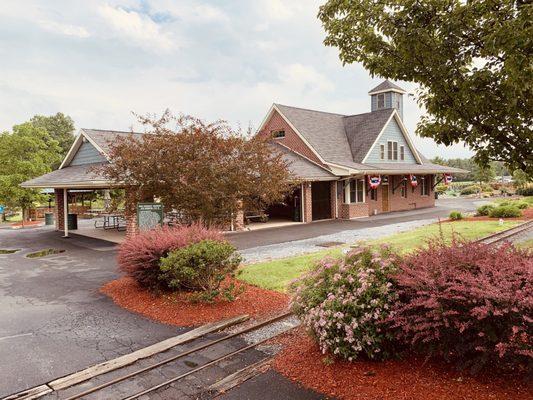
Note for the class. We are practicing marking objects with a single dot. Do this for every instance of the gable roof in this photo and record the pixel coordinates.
(302, 167)
(81, 176)
(387, 86)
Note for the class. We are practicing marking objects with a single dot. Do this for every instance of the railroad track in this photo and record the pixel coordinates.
(161, 374)
(503, 236)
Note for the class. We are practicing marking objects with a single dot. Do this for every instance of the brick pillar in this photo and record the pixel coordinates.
(308, 202)
(333, 198)
(238, 223)
(130, 214)
(59, 211)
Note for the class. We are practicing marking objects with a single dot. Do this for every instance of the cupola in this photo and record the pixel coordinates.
(387, 95)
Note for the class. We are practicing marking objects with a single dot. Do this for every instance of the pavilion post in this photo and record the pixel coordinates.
(65, 212)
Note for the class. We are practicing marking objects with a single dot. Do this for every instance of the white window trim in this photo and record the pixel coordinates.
(347, 199)
(377, 101)
(424, 183)
(382, 153)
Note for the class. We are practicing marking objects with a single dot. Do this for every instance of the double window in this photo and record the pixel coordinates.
(356, 191)
(392, 150)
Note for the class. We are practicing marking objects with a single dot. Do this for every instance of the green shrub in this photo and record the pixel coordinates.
(505, 212)
(455, 215)
(200, 266)
(441, 188)
(472, 189)
(485, 209)
(345, 303)
(522, 205)
(525, 190)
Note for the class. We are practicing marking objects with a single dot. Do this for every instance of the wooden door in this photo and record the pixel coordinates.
(385, 198)
(321, 200)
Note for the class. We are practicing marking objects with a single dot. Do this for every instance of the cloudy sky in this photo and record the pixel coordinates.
(98, 61)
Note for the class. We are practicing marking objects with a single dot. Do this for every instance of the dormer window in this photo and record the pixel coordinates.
(279, 134)
(381, 100)
(392, 150)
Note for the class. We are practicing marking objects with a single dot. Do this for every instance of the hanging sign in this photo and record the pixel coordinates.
(414, 181)
(448, 179)
(374, 181)
(149, 215)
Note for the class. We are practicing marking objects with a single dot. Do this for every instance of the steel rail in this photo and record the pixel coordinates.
(502, 235)
(210, 363)
(178, 356)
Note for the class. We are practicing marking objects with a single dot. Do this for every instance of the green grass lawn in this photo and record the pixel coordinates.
(277, 274)
(526, 244)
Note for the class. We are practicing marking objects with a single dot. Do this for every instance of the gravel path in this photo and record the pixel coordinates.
(297, 247)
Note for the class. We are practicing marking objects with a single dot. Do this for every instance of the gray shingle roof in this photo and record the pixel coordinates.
(363, 129)
(104, 137)
(386, 85)
(301, 167)
(76, 175)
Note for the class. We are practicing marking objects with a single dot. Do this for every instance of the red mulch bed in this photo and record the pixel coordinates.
(26, 223)
(301, 361)
(526, 215)
(178, 309)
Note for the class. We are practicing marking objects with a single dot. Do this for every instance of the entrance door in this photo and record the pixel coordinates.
(321, 200)
(385, 198)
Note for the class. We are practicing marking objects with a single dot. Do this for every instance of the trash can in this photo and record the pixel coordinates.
(49, 218)
(72, 221)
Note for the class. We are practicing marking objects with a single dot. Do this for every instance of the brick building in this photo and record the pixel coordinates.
(336, 156)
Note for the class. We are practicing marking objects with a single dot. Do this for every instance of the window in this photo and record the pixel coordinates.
(381, 100)
(424, 186)
(357, 191)
(402, 153)
(278, 134)
(392, 150)
(382, 151)
(373, 194)
(403, 188)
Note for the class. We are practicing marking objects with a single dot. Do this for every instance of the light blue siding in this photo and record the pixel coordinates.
(87, 154)
(393, 133)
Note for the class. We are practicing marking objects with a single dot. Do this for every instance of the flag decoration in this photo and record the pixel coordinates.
(374, 181)
(447, 179)
(414, 181)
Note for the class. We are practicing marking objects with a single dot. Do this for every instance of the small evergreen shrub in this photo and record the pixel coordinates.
(441, 188)
(140, 255)
(472, 189)
(199, 266)
(468, 303)
(521, 205)
(455, 215)
(505, 212)
(485, 209)
(344, 303)
(526, 190)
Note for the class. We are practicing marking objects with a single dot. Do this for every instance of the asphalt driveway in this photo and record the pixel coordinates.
(53, 320)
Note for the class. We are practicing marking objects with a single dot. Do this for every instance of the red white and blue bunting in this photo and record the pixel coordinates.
(447, 179)
(374, 181)
(414, 180)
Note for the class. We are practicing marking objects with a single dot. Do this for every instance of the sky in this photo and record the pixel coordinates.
(101, 61)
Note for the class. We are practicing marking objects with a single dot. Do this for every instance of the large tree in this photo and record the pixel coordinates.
(25, 153)
(207, 171)
(471, 60)
(60, 127)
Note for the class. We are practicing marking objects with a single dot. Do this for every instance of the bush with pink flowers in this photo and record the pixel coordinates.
(345, 303)
(140, 255)
(468, 303)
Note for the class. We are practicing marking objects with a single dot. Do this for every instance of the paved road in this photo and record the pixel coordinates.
(269, 236)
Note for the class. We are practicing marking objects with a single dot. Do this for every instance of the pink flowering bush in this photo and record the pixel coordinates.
(468, 303)
(345, 303)
(140, 255)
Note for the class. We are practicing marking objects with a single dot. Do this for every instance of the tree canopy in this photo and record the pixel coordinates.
(25, 153)
(60, 127)
(471, 60)
(204, 170)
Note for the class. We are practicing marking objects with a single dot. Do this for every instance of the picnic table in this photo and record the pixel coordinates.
(111, 221)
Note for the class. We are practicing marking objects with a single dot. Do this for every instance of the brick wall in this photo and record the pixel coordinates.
(353, 210)
(414, 198)
(291, 139)
(333, 198)
(59, 212)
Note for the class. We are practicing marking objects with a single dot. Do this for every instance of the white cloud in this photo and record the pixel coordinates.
(65, 29)
(137, 28)
(305, 77)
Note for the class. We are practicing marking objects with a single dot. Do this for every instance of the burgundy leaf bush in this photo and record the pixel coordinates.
(468, 303)
(140, 255)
